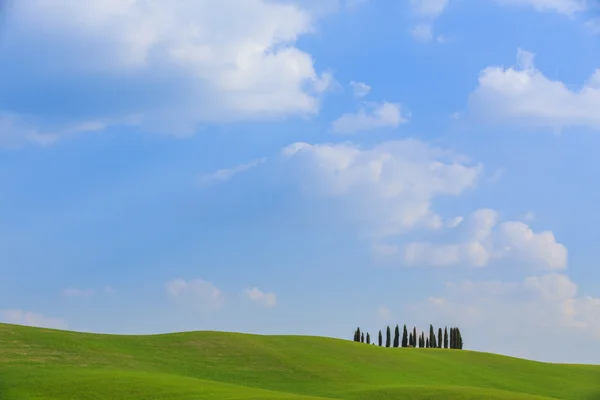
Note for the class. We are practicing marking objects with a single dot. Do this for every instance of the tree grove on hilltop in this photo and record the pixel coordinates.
(446, 338)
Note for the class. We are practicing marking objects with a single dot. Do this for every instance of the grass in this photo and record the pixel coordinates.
(44, 364)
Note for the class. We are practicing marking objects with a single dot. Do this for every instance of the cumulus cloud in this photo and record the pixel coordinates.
(486, 240)
(198, 294)
(387, 189)
(223, 175)
(360, 89)
(371, 116)
(523, 95)
(207, 61)
(20, 317)
(520, 318)
(260, 297)
(427, 11)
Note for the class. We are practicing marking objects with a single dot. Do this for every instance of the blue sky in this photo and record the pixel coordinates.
(304, 167)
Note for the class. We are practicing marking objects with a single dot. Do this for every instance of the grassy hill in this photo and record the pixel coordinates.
(44, 364)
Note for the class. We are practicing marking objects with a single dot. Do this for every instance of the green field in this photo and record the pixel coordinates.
(43, 364)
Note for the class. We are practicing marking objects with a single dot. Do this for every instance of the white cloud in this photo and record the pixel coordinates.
(373, 116)
(360, 89)
(74, 292)
(523, 95)
(260, 297)
(386, 189)
(529, 216)
(384, 314)
(198, 294)
(427, 11)
(520, 318)
(488, 241)
(216, 61)
(568, 7)
(430, 8)
(223, 175)
(18, 130)
(20, 317)
(422, 32)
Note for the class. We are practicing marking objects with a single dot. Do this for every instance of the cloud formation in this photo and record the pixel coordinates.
(206, 61)
(360, 89)
(520, 318)
(260, 297)
(523, 95)
(370, 117)
(388, 188)
(197, 294)
(487, 241)
(29, 318)
(226, 174)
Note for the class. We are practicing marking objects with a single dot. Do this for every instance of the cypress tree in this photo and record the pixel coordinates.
(405, 337)
(431, 336)
(380, 339)
(368, 339)
(410, 340)
(446, 337)
(358, 334)
(453, 338)
(362, 337)
(388, 335)
(459, 342)
(396, 336)
(439, 338)
(414, 343)
(422, 340)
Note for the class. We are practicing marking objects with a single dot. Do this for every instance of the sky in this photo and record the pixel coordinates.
(304, 167)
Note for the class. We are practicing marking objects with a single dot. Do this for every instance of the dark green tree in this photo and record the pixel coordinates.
(358, 334)
(410, 340)
(368, 339)
(405, 337)
(380, 339)
(397, 336)
(440, 338)
(427, 343)
(459, 340)
(431, 336)
(414, 343)
(446, 337)
(388, 337)
(362, 337)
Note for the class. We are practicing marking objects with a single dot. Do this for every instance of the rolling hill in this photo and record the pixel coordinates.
(45, 364)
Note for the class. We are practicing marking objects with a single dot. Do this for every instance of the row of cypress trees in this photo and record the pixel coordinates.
(447, 339)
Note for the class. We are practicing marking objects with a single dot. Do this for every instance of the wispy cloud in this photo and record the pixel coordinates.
(226, 174)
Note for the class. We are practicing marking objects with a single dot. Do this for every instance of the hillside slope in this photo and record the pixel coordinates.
(44, 364)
